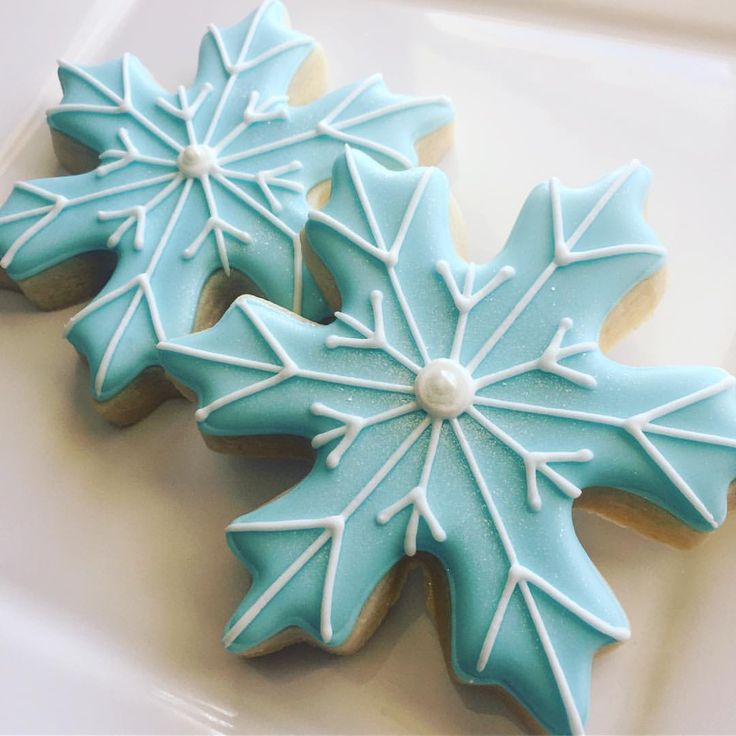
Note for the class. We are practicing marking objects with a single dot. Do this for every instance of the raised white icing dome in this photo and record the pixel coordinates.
(197, 160)
(444, 388)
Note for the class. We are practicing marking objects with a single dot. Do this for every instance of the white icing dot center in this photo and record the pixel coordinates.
(197, 160)
(444, 388)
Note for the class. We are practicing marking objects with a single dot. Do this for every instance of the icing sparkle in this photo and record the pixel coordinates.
(458, 410)
(210, 177)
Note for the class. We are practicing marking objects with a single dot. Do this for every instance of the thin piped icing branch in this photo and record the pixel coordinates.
(206, 178)
(457, 410)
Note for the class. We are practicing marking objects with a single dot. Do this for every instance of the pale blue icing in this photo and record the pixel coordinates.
(318, 551)
(153, 294)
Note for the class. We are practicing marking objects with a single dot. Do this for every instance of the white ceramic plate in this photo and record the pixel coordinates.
(115, 580)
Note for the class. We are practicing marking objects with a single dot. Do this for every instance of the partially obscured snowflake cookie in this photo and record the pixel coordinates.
(189, 184)
(457, 410)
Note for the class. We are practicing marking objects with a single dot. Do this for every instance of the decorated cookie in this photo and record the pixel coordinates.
(190, 189)
(457, 411)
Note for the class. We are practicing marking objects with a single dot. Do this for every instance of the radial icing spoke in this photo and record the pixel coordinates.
(352, 426)
(549, 362)
(417, 500)
(536, 462)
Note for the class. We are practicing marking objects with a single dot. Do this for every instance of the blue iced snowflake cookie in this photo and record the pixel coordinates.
(204, 180)
(457, 410)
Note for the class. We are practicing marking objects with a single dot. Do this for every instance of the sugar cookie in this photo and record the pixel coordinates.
(457, 411)
(190, 186)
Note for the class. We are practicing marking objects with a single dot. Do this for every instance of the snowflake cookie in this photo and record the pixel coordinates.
(190, 183)
(457, 410)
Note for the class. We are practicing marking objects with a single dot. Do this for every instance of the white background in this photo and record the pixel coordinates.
(115, 581)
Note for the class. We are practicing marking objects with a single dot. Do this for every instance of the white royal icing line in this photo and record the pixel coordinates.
(417, 499)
